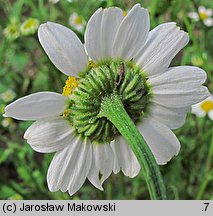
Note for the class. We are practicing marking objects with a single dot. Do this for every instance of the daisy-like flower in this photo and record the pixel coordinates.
(8, 95)
(204, 108)
(197, 60)
(127, 59)
(204, 14)
(12, 31)
(77, 22)
(54, 1)
(30, 26)
(6, 122)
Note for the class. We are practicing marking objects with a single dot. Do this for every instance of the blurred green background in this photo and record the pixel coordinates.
(25, 69)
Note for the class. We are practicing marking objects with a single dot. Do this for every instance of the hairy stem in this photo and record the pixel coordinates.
(112, 108)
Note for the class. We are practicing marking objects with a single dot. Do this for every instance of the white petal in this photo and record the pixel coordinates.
(210, 98)
(196, 109)
(36, 106)
(132, 33)
(171, 117)
(49, 135)
(199, 111)
(209, 12)
(193, 15)
(179, 98)
(161, 140)
(63, 47)
(208, 22)
(126, 159)
(102, 164)
(210, 114)
(185, 77)
(163, 43)
(100, 32)
(202, 9)
(70, 166)
(179, 87)
(116, 166)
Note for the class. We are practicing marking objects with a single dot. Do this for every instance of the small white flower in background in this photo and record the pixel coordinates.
(12, 31)
(8, 95)
(204, 14)
(54, 1)
(197, 60)
(204, 108)
(109, 36)
(77, 22)
(6, 122)
(29, 26)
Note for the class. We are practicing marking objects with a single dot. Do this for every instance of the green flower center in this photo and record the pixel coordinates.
(122, 78)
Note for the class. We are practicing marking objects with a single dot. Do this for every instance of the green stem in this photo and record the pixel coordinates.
(203, 186)
(113, 109)
(209, 175)
(210, 155)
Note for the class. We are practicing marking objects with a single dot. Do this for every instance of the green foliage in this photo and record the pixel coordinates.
(26, 69)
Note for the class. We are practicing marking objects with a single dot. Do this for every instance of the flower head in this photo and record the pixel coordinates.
(54, 1)
(6, 122)
(204, 108)
(203, 14)
(29, 27)
(197, 60)
(8, 95)
(12, 31)
(77, 22)
(127, 59)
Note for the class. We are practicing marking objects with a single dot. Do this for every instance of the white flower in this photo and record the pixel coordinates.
(12, 31)
(8, 95)
(54, 1)
(29, 26)
(77, 22)
(6, 122)
(204, 14)
(203, 108)
(110, 35)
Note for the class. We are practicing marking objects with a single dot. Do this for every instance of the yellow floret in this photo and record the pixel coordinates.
(203, 15)
(78, 20)
(124, 13)
(207, 106)
(92, 64)
(66, 113)
(71, 84)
